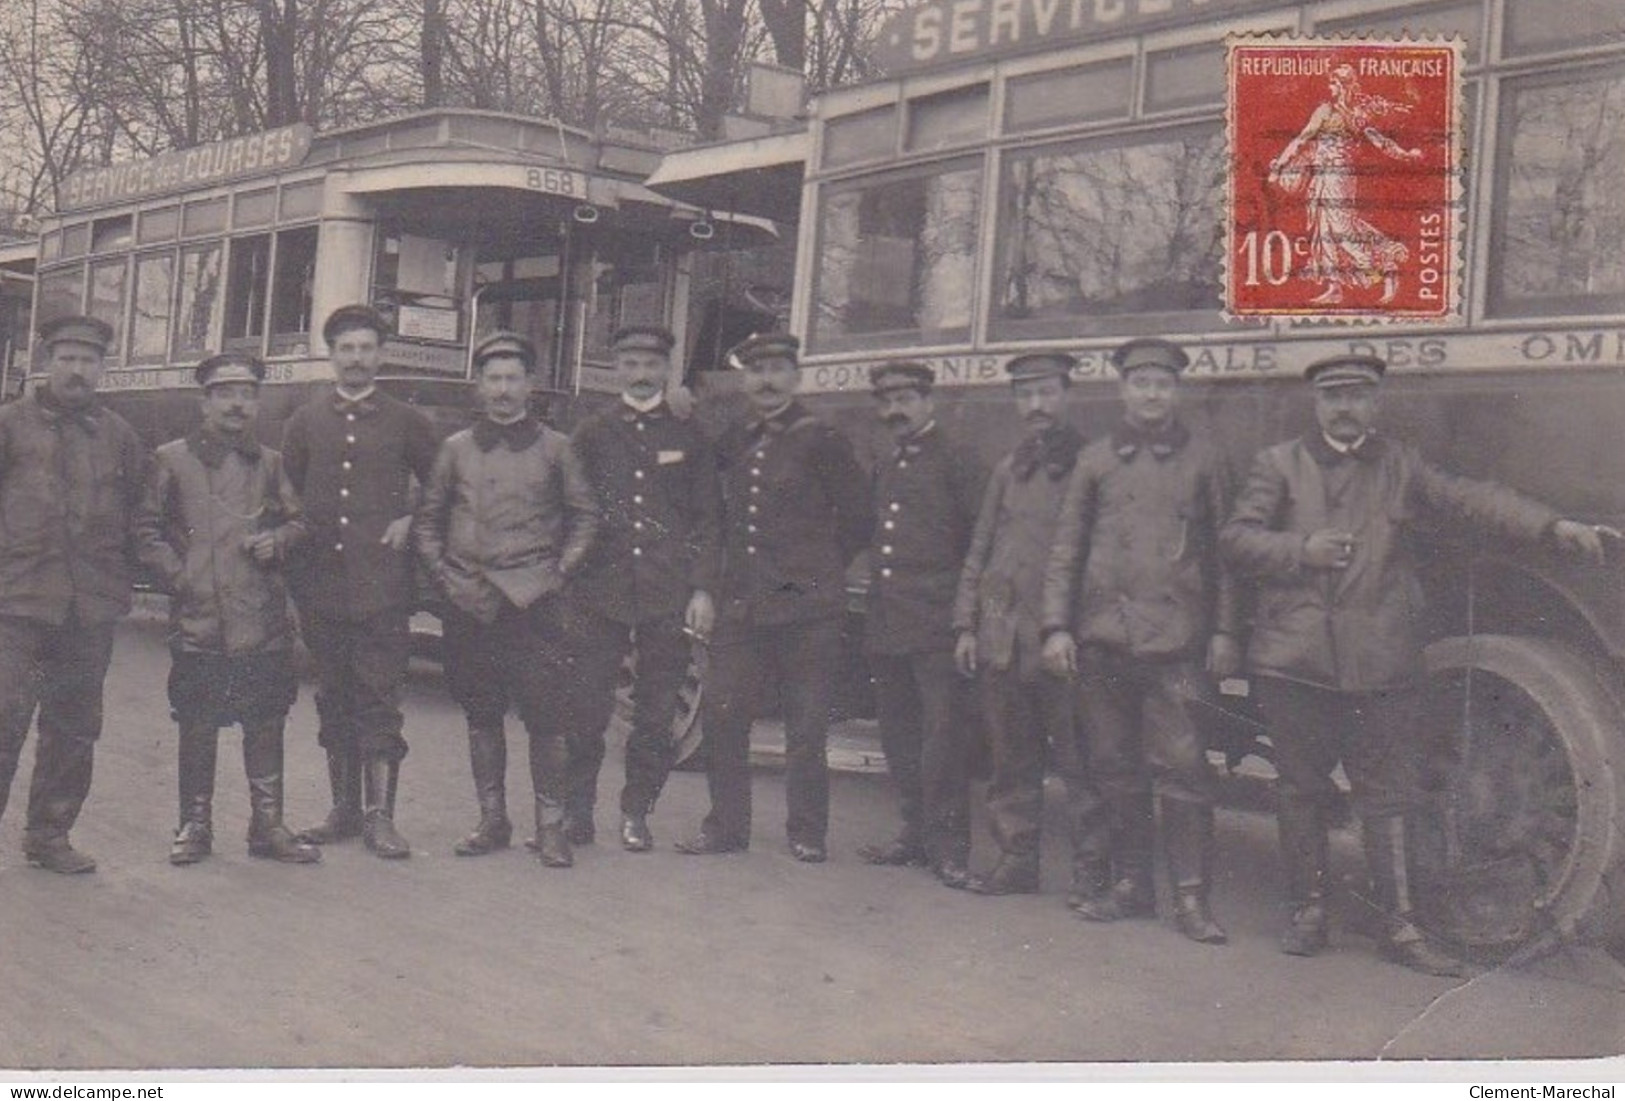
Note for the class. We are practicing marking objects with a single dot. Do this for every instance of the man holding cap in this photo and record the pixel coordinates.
(72, 474)
(647, 582)
(1324, 529)
(926, 495)
(1137, 606)
(795, 513)
(1026, 710)
(505, 518)
(352, 455)
(219, 521)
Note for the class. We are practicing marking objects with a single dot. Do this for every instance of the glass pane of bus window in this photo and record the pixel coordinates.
(291, 289)
(61, 294)
(149, 319)
(897, 257)
(75, 239)
(254, 208)
(627, 289)
(247, 281)
(198, 291)
(1084, 94)
(204, 216)
(1102, 231)
(860, 137)
(1442, 20)
(112, 234)
(1533, 26)
(159, 225)
(1187, 77)
(301, 200)
(948, 118)
(1560, 239)
(108, 281)
(50, 247)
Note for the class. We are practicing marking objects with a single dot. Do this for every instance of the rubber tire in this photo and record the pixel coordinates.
(1586, 902)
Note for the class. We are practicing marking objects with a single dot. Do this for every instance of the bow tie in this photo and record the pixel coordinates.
(488, 434)
(1055, 450)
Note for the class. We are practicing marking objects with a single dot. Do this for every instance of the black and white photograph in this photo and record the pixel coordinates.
(1042, 538)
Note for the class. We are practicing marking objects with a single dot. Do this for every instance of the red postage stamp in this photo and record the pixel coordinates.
(1344, 178)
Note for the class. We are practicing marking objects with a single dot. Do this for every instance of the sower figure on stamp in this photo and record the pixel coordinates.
(72, 475)
(647, 582)
(926, 495)
(352, 455)
(1324, 529)
(795, 514)
(506, 516)
(219, 520)
(1135, 603)
(1026, 710)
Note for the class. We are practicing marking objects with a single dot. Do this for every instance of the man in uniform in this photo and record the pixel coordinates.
(1324, 530)
(219, 522)
(506, 517)
(795, 513)
(647, 581)
(1135, 602)
(72, 475)
(351, 455)
(926, 495)
(1026, 711)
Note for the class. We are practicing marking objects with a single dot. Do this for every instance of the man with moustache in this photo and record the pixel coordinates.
(219, 521)
(1135, 602)
(1325, 530)
(72, 474)
(926, 495)
(352, 455)
(1026, 710)
(506, 517)
(795, 513)
(647, 583)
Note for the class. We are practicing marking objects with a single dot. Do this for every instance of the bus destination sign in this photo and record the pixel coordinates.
(945, 32)
(199, 166)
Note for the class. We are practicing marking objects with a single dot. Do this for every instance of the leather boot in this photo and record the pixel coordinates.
(1303, 846)
(1014, 874)
(552, 843)
(488, 757)
(194, 839)
(1091, 881)
(1133, 894)
(344, 820)
(1402, 942)
(262, 762)
(379, 775)
(1187, 830)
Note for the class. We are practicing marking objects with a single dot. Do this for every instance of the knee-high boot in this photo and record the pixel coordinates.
(344, 820)
(488, 758)
(1187, 830)
(262, 762)
(1387, 857)
(194, 839)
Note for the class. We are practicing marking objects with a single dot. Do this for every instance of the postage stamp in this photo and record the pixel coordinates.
(1344, 163)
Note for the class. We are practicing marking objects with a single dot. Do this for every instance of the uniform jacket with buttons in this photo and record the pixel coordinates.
(927, 493)
(660, 528)
(795, 513)
(505, 516)
(71, 484)
(1135, 565)
(352, 465)
(1001, 589)
(205, 497)
(1361, 628)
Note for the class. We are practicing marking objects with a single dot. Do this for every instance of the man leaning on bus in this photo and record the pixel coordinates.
(1324, 529)
(351, 454)
(72, 474)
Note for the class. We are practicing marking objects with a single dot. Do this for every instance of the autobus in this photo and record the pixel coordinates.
(453, 223)
(1035, 175)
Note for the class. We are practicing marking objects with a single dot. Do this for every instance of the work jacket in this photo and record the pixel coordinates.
(1135, 565)
(505, 516)
(205, 497)
(1361, 628)
(71, 483)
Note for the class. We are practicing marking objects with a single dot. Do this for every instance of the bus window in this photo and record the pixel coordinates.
(947, 118)
(197, 292)
(203, 216)
(897, 256)
(76, 239)
(159, 225)
(864, 136)
(1065, 97)
(1463, 19)
(61, 293)
(1191, 76)
(1559, 238)
(627, 288)
(1534, 26)
(254, 208)
(108, 280)
(1110, 231)
(111, 234)
(291, 290)
(301, 200)
(149, 318)
(246, 278)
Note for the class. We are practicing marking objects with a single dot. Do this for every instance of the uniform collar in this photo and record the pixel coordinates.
(364, 402)
(631, 414)
(1128, 439)
(1367, 450)
(779, 421)
(211, 448)
(520, 434)
(1053, 449)
(917, 442)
